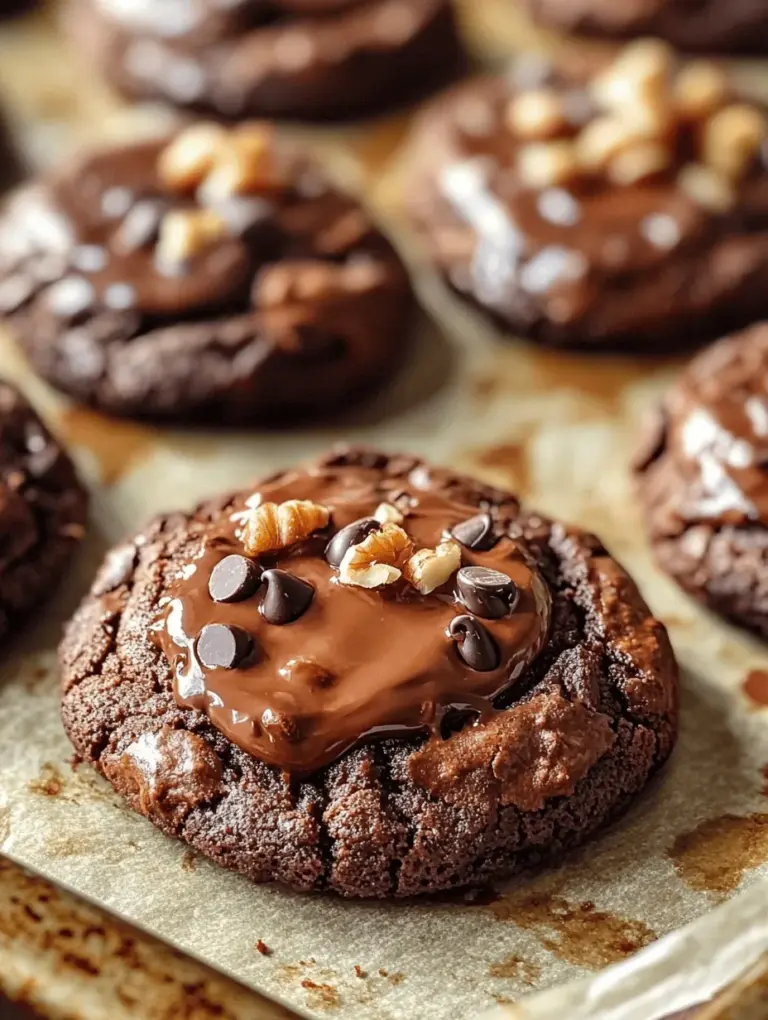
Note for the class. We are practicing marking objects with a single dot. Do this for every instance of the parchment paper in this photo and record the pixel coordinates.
(558, 429)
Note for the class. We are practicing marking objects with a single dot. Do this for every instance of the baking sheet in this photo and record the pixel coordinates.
(557, 428)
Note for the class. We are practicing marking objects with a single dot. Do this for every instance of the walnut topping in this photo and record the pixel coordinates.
(377, 560)
(385, 513)
(650, 116)
(706, 187)
(548, 164)
(732, 138)
(273, 526)
(220, 163)
(428, 569)
(536, 115)
(186, 160)
(185, 233)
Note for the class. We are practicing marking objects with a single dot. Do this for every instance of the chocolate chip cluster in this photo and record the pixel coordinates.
(643, 117)
(371, 553)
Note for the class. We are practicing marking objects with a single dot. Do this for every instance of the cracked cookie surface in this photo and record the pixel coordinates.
(562, 749)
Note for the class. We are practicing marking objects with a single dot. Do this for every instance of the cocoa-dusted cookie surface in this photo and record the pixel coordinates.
(740, 26)
(369, 676)
(215, 276)
(43, 510)
(622, 209)
(703, 479)
(271, 58)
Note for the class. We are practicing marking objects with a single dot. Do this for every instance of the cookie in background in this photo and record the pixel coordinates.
(622, 209)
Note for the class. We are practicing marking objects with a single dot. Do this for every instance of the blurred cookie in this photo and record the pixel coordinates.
(703, 479)
(217, 276)
(370, 676)
(270, 58)
(625, 210)
(738, 26)
(43, 510)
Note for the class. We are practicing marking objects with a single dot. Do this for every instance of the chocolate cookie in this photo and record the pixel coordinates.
(217, 277)
(370, 676)
(703, 479)
(739, 26)
(271, 58)
(43, 510)
(626, 210)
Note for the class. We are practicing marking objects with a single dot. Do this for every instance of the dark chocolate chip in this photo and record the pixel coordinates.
(286, 598)
(233, 579)
(353, 534)
(141, 226)
(476, 533)
(487, 593)
(220, 646)
(474, 644)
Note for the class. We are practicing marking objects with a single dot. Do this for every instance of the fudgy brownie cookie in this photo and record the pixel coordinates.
(43, 510)
(370, 676)
(626, 210)
(217, 276)
(703, 479)
(738, 26)
(270, 58)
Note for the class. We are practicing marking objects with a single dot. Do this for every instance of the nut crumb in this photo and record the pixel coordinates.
(386, 513)
(359, 972)
(263, 948)
(377, 560)
(429, 569)
(274, 526)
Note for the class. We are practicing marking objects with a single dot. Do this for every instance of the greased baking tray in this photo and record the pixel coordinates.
(557, 428)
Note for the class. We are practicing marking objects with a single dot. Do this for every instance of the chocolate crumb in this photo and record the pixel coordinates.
(359, 972)
(263, 948)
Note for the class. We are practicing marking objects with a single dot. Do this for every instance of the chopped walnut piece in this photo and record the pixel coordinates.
(706, 187)
(732, 138)
(376, 561)
(428, 569)
(185, 233)
(641, 73)
(536, 115)
(639, 163)
(186, 160)
(274, 526)
(243, 164)
(699, 89)
(547, 164)
(386, 513)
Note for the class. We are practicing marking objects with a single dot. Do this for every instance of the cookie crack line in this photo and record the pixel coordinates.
(439, 803)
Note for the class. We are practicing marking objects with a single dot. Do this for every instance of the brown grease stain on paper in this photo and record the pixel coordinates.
(517, 968)
(755, 687)
(715, 856)
(115, 445)
(578, 933)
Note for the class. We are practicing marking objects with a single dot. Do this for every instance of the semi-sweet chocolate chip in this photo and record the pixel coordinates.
(474, 644)
(220, 646)
(353, 534)
(233, 579)
(476, 533)
(287, 597)
(487, 593)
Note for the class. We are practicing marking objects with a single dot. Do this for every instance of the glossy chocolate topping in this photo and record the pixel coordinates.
(715, 432)
(347, 663)
(558, 259)
(101, 221)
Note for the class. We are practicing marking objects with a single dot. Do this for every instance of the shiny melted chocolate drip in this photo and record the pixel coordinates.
(356, 663)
